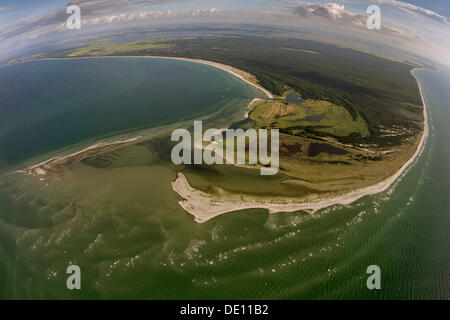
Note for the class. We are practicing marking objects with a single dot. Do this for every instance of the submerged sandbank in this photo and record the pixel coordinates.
(57, 164)
(204, 206)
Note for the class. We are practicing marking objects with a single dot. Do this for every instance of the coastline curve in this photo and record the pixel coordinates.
(204, 206)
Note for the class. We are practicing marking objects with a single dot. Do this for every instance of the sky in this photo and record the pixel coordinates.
(419, 25)
(440, 6)
(12, 11)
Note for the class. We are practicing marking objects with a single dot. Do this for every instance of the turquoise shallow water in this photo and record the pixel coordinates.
(123, 227)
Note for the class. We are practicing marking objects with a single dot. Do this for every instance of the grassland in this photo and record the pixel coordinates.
(363, 112)
(377, 90)
(314, 115)
(275, 114)
(103, 48)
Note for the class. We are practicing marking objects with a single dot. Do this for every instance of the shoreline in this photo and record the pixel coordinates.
(224, 67)
(232, 70)
(101, 146)
(43, 167)
(249, 105)
(204, 206)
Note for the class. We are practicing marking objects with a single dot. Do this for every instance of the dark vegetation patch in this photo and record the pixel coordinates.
(243, 124)
(290, 149)
(338, 162)
(97, 162)
(316, 148)
(312, 118)
(364, 84)
(374, 88)
(293, 98)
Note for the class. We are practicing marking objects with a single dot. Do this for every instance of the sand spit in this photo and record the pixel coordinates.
(249, 105)
(58, 164)
(204, 206)
(243, 75)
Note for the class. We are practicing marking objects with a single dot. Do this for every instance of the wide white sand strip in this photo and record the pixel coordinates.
(204, 206)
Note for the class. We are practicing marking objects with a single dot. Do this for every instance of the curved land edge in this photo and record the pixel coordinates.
(238, 73)
(204, 206)
(243, 75)
(59, 163)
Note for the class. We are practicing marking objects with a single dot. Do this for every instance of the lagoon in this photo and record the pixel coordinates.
(50, 104)
(121, 223)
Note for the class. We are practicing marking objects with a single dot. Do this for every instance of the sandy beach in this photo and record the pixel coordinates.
(249, 105)
(244, 76)
(204, 206)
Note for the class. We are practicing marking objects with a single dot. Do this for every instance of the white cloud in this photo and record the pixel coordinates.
(147, 15)
(330, 10)
(204, 12)
(336, 13)
(411, 7)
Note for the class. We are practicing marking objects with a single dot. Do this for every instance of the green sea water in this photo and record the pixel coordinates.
(121, 223)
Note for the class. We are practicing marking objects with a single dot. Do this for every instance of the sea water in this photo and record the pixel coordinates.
(123, 227)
